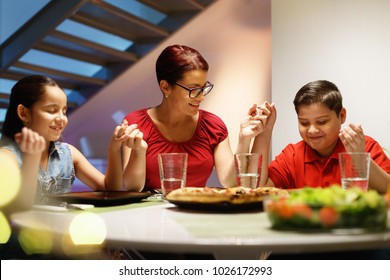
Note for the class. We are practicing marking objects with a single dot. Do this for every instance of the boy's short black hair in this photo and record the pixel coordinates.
(320, 91)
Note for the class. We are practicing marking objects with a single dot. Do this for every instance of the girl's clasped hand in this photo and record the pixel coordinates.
(29, 141)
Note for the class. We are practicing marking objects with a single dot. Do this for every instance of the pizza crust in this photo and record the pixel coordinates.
(236, 195)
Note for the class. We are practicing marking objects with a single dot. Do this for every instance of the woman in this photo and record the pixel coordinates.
(33, 125)
(178, 125)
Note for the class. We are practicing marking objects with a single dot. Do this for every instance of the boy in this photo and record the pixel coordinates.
(314, 161)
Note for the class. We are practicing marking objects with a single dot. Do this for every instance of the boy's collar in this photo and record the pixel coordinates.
(311, 155)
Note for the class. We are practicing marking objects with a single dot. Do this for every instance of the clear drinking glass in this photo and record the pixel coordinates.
(354, 170)
(248, 169)
(173, 171)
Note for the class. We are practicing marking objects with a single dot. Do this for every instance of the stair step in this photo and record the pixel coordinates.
(80, 49)
(67, 80)
(108, 18)
(170, 7)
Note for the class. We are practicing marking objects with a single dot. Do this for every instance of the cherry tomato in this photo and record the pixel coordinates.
(303, 210)
(328, 216)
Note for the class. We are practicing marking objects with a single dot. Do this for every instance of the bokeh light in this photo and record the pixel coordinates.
(9, 179)
(36, 241)
(87, 229)
(5, 229)
(89, 251)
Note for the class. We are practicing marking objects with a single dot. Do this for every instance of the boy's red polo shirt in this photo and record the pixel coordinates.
(298, 165)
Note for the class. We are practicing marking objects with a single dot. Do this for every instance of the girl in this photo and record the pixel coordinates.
(35, 119)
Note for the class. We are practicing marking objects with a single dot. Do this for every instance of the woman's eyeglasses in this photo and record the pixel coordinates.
(194, 92)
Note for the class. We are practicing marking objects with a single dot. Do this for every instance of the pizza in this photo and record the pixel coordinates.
(235, 195)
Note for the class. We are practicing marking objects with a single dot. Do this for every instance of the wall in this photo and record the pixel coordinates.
(344, 41)
(233, 36)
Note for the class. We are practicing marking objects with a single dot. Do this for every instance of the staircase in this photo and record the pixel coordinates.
(56, 32)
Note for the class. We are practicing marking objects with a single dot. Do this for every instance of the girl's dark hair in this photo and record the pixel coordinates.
(27, 91)
(320, 91)
(176, 60)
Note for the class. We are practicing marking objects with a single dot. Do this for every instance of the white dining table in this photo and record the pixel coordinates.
(159, 226)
